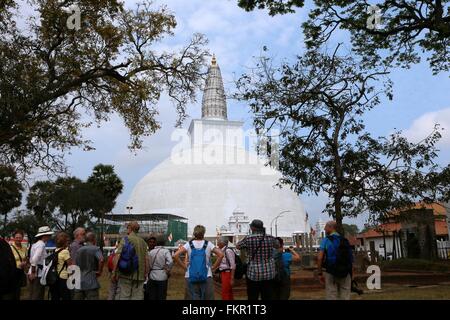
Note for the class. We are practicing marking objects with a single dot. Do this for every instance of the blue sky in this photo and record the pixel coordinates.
(236, 37)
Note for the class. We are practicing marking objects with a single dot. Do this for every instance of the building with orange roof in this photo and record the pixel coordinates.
(419, 231)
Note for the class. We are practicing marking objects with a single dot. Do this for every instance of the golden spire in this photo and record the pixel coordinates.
(213, 61)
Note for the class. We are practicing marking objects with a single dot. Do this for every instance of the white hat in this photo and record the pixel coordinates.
(44, 231)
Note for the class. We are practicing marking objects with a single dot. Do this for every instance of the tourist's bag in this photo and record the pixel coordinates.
(128, 261)
(198, 270)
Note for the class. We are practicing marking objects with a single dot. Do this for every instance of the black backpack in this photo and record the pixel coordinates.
(51, 262)
(338, 261)
(241, 269)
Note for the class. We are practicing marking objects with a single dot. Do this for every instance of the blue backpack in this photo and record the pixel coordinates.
(338, 256)
(198, 269)
(128, 262)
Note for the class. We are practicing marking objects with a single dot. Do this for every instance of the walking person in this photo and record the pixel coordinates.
(199, 272)
(337, 258)
(37, 258)
(90, 261)
(160, 261)
(227, 269)
(59, 290)
(21, 257)
(131, 265)
(261, 264)
(284, 258)
(79, 236)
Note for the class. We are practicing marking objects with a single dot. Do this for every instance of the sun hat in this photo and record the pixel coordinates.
(44, 231)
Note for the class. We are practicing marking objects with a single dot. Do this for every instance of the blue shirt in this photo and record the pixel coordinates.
(287, 260)
(326, 242)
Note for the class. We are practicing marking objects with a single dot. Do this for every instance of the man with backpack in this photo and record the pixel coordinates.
(227, 269)
(337, 258)
(37, 259)
(199, 271)
(131, 265)
(261, 264)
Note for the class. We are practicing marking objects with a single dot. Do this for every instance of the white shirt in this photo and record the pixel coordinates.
(160, 259)
(198, 244)
(37, 256)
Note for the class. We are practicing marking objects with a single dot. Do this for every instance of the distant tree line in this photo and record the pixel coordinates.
(65, 203)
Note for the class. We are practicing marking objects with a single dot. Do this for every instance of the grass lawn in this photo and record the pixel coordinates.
(388, 291)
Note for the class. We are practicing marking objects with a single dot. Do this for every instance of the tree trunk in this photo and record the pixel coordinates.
(338, 175)
(338, 216)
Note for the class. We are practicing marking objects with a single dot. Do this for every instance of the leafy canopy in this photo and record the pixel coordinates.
(56, 79)
(316, 104)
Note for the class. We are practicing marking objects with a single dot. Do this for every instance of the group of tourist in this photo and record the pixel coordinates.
(140, 270)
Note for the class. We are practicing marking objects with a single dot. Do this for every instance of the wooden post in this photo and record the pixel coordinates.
(394, 248)
(372, 251)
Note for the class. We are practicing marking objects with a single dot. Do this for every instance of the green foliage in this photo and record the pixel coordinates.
(29, 223)
(106, 182)
(56, 80)
(274, 6)
(317, 104)
(10, 191)
(69, 202)
(407, 29)
(350, 229)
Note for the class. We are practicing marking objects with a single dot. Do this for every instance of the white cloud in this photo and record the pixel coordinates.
(423, 126)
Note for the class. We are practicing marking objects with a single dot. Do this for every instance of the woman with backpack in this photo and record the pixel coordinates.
(199, 271)
(59, 290)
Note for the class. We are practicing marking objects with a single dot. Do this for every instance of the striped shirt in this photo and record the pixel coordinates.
(261, 264)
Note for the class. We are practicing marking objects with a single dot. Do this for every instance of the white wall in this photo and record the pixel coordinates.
(379, 243)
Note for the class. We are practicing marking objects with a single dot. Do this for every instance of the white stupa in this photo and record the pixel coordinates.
(211, 174)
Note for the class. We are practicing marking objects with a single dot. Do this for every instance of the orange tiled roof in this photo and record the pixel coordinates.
(440, 227)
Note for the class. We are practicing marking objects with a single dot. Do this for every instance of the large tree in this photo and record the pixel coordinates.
(68, 202)
(107, 183)
(407, 28)
(10, 191)
(317, 103)
(57, 77)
